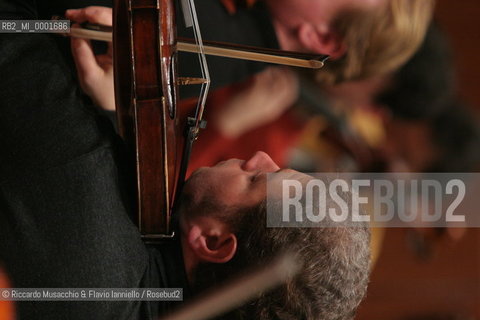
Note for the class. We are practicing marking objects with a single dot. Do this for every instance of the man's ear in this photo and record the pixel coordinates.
(211, 241)
(323, 41)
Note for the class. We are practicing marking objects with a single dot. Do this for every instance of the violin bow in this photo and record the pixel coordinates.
(221, 49)
(240, 290)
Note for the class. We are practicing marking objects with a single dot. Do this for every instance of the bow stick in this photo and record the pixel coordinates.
(240, 290)
(294, 59)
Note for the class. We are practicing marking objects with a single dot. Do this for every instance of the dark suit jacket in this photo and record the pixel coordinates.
(64, 194)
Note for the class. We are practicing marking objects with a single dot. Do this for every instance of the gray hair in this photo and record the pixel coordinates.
(331, 283)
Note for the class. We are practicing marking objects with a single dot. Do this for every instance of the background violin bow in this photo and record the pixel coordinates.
(240, 290)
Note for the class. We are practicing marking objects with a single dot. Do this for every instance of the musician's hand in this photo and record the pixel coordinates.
(272, 92)
(95, 72)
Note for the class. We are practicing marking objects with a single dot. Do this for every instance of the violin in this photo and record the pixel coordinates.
(145, 77)
(157, 133)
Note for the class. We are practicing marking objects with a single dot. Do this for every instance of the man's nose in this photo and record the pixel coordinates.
(260, 162)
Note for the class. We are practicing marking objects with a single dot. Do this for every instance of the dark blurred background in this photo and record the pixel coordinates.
(435, 274)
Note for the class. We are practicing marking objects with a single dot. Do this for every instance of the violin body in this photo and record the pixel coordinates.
(145, 58)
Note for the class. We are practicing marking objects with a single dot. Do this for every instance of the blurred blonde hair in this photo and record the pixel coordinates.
(378, 41)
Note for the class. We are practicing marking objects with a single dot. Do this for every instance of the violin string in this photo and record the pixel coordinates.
(187, 13)
(203, 66)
